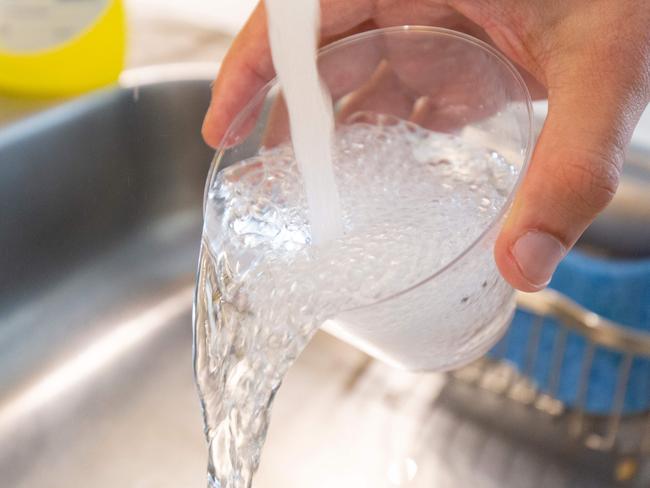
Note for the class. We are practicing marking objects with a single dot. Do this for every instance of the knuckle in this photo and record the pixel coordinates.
(590, 180)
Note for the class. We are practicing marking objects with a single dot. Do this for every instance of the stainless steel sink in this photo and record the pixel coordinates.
(100, 216)
(100, 219)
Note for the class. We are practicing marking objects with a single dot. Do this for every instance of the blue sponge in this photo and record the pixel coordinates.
(618, 290)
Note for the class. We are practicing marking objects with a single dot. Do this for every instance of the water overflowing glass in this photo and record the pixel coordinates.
(422, 191)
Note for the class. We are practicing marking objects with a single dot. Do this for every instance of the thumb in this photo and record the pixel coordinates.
(573, 175)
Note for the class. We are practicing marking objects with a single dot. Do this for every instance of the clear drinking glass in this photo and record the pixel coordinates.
(448, 82)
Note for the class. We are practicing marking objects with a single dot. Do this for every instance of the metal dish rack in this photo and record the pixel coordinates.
(625, 436)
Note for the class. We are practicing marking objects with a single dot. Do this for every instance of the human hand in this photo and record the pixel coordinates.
(591, 56)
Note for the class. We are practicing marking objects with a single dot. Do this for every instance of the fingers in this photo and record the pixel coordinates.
(573, 174)
(343, 71)
(383, 93)
(248, 66)
(246, 69)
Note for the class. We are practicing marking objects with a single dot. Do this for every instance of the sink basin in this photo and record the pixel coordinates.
(100, 219)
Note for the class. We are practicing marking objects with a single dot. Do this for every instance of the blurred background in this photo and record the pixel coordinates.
(196, 30)
(101, 185)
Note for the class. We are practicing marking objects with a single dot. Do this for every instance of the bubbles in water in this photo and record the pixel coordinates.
(411, 201)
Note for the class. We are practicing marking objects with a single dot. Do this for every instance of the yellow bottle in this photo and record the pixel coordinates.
(51, 48)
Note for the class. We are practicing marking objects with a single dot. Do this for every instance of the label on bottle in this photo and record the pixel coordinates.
(28, 26)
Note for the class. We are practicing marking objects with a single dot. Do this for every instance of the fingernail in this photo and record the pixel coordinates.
(537, 255)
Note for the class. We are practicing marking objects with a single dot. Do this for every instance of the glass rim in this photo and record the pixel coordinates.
(436, 31)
